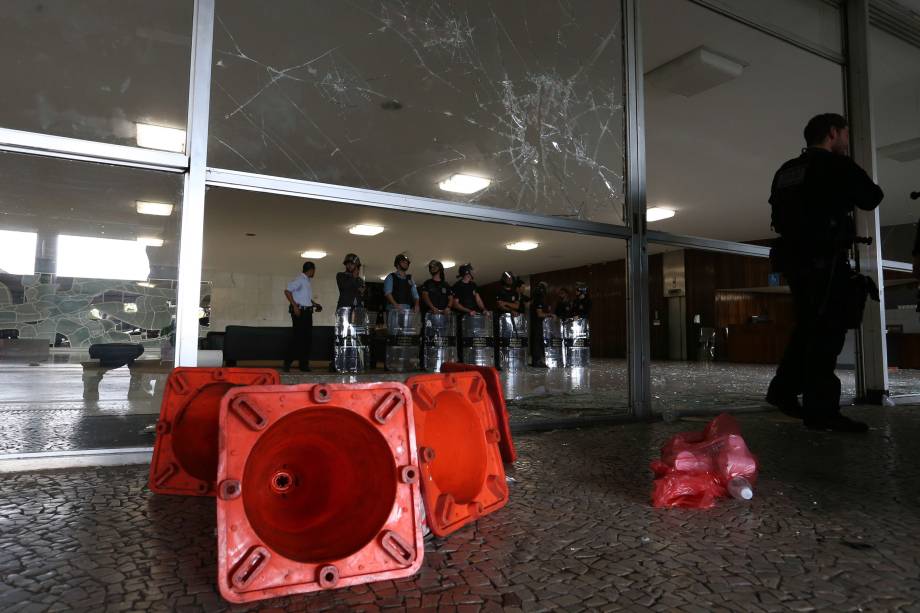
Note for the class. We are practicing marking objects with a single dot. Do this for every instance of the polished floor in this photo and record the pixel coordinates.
(831, 527)
(66, 404)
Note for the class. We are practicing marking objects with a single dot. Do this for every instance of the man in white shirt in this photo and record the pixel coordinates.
(299, 294)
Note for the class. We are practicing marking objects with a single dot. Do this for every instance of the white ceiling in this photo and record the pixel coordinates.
(286, 226)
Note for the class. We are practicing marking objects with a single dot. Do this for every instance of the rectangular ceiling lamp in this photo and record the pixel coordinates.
(160, 137)
(695, 72)
(161, 209)
(89, 257)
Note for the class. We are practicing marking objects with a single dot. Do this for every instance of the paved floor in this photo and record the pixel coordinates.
(832, 526)
(44, 408)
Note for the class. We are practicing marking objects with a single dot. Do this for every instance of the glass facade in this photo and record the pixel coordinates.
(111, 71)
(516, 106)
(424, 99)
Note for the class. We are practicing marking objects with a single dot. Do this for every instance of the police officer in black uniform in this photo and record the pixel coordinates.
(524, 299)
(466, 297)
(581, 307)
(813, 198)
(351, 285)
(507, 299)
(539, 310)
(436, 292)
(564, 308)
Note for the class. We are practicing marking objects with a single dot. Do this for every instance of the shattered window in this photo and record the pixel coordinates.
(114, 71)
(78, 242)
(512, 104)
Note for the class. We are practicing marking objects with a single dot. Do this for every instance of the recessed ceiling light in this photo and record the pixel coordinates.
(365, 230)
(448, 264)
(464, 184)
(522, 246)
(150, 241)
(657, 213)
(162, 209)
(146, 284)
(382, 277)
(159, 137)
(313, 254)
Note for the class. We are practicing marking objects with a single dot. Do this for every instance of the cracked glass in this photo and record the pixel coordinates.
(523, 100)
(96, 69)
(92, 256)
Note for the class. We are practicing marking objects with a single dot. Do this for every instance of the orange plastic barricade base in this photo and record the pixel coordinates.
(318, 489)
(185, 454)
(494, 386)
(463, 477)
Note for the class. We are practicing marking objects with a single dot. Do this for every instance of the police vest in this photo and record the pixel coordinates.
(402, 289)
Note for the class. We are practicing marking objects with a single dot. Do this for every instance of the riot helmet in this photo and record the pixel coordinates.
(402, 257)
(464, 270)
(351, 258)
(438, 268)
(507, 277)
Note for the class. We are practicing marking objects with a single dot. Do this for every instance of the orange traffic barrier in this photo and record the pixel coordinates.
(494, 387)
(463, 477)
(318, 489)
(185, 455)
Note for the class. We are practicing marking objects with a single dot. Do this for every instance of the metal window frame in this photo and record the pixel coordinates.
(779, 33)
(871, 347)
(191, 236)
(198, 177)
(48, 145)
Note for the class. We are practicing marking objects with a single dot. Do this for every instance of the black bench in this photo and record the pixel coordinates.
(270, 343)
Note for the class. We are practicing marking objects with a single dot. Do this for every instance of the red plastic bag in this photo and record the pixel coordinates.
(695, 467)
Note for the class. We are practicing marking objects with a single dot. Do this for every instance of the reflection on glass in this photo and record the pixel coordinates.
(96, 70)
(895, 79)
(101, 258)
(17, 252)
(503, 103)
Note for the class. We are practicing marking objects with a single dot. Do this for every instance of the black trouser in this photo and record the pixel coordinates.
(537, 350)
(810, 358)
(301, 338)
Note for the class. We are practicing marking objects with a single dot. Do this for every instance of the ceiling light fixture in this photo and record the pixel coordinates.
(150, 241)
(383, 277)
(313, 254)
(695, 72)
(464, 184)
(365, 230)
(448, 264)
(522, 246)
(159, 137)
(146, 284)
(657, 213)
(162, 209)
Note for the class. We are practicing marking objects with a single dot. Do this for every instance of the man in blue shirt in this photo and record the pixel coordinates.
(399, 288)
(299, 294)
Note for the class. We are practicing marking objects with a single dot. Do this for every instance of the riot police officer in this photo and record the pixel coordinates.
(436, 292)
(539, 310)
(564, 308)
(507, 299)
(581, 307)
(466, 298)
(398, 288)
(813, 198)
(350, 283)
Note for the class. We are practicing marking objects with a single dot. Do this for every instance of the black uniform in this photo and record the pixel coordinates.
(509, 295)
(564, 309)
(466, 294)
(439, 292)
(537, 353)
(581, 307)
(350, 288)
(812, 201)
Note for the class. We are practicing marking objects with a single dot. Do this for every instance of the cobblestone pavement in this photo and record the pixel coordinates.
(832, 526)
(42, 408)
